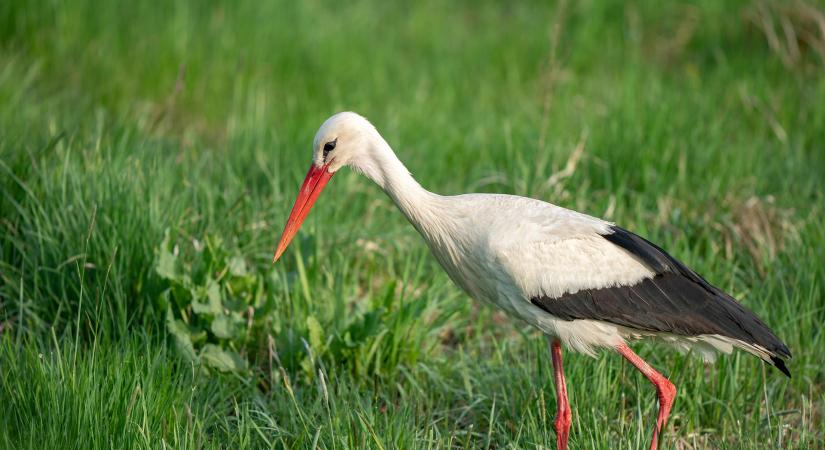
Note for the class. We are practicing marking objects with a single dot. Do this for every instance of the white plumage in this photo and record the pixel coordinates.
(505, 250)
(582, 281)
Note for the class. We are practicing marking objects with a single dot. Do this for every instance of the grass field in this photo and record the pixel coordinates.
(150, 152)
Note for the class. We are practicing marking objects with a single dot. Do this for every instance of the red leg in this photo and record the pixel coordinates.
(563, 414)
(664, 389)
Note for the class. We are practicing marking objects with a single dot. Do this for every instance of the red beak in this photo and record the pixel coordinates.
(314, 183)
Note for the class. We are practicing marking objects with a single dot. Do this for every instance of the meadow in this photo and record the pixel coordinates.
(150, 152)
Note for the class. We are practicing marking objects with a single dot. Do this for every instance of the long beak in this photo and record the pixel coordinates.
(314, 183)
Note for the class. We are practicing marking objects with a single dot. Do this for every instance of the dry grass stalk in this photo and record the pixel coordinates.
(792, 29)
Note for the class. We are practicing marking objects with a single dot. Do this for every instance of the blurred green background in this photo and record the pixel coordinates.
(150, 152)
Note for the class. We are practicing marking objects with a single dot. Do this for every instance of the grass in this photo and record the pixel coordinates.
(691, 124)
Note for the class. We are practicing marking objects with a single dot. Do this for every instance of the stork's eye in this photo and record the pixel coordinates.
(328, 147)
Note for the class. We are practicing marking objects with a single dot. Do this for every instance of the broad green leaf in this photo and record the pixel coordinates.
(237, 266)
(213, 305)
(224, 327)
(235, 303)
(167, 266)
(213, 292)
(180, 332)
(223, 360)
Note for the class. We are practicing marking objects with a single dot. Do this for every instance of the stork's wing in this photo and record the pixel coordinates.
(672, 299)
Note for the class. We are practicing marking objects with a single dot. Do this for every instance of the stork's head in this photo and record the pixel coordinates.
(345, 139)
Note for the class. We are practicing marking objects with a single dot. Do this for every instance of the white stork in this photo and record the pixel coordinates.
(584, 282)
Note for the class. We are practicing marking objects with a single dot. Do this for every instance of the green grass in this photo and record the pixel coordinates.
(120, 121)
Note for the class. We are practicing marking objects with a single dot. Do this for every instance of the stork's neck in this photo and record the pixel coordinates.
(418, 204)
(433, 216)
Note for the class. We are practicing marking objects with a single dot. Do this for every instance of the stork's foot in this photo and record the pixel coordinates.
(563, 413)
(562, 426)
(665, 390)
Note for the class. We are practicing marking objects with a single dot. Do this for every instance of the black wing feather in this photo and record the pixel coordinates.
(676, 300)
